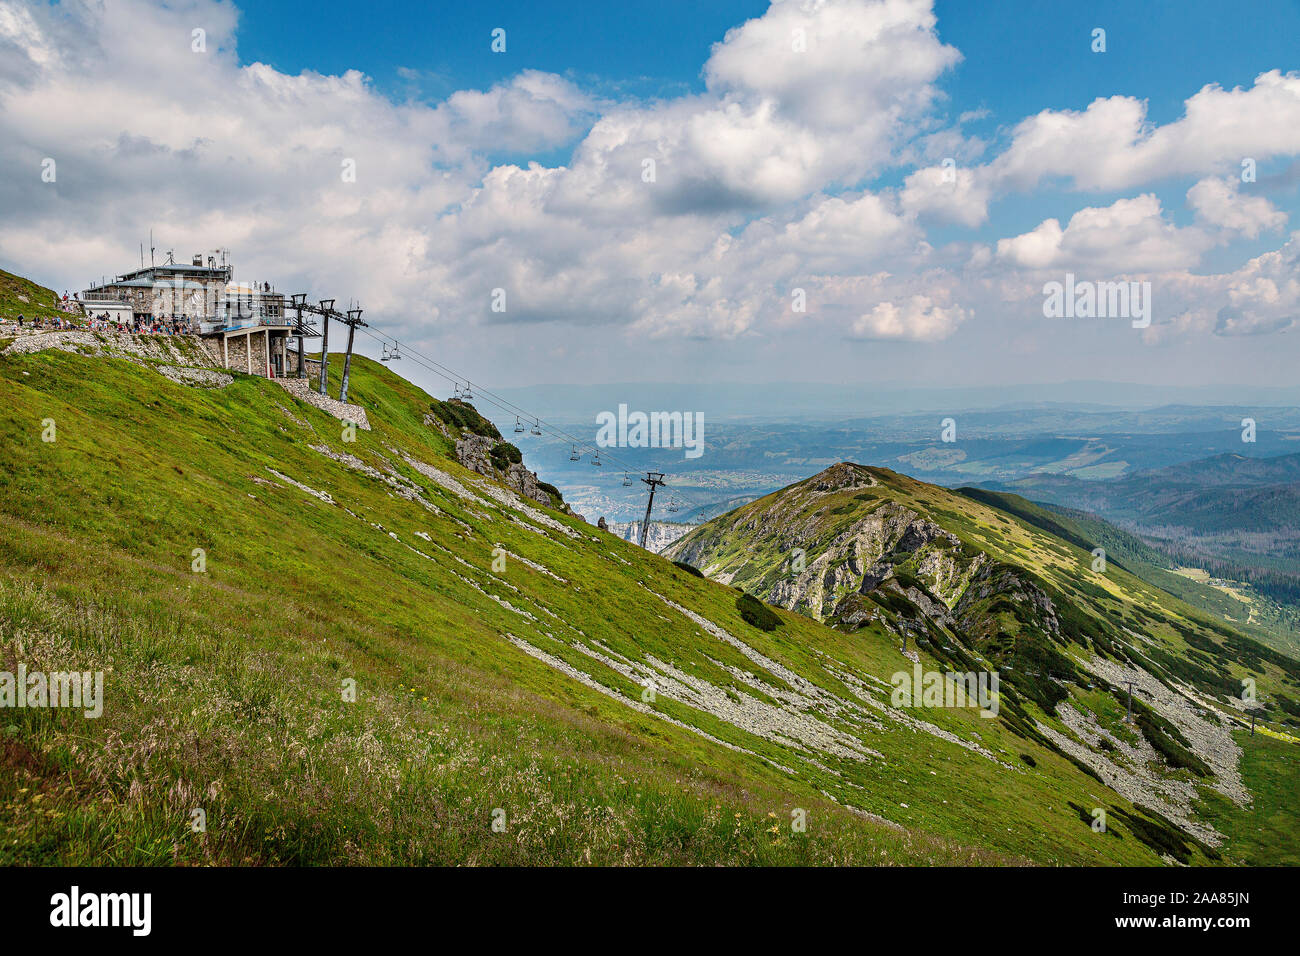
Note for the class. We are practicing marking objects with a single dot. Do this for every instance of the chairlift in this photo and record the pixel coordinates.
(575, 456)
(395, 353)
(519, 427)
(672, 505)
(596, 461)
(627, 481)
(385, 357)
(469, 392)
(537, 427)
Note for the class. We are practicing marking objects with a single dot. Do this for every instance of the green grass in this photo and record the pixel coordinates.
(1112, 614)
(224, 688)
(1265, 834)
(19, 296)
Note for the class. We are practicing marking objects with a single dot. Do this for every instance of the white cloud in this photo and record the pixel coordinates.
(864, 65)
(758, 185)
(947, 194)
(1130, 235)
(1219, 203)
(917, 318)
(1111, 144)
(1264, 294)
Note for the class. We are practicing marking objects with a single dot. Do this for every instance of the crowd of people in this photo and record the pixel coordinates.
(104, 322)
(139, 326)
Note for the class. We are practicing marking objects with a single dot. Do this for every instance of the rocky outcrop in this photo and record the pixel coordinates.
(476, 452)
(841, 477)
(200, 377)
(993, 581)
(181, 350)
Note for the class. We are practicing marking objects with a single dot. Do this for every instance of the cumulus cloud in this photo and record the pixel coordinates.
(247, 156)
(917, 318)
(947, 194)
(1264, 294)
(1219, 203)
(1128, 235)
(1111, 144)
(694, 216)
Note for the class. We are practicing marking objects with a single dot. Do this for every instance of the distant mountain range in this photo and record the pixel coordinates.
(1240, 514)
(1236, 519)
(660, 535)
(745, 459)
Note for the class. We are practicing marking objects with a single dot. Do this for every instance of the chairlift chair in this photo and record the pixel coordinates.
(395, 353)
(627, 481)
(575, 456)
(537, 427)
(519, 427)
(385, 356)
(596, 461)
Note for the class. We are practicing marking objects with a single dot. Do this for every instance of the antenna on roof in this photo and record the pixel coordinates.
(151, 250)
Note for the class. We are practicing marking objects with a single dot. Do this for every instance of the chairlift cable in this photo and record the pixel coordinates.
(491, 398)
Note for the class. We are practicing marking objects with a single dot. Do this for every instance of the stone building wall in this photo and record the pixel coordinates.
(237, 353)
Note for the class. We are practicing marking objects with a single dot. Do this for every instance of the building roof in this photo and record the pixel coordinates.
(125, 283)
(217, 272)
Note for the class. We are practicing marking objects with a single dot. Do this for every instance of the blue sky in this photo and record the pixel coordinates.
(1019, 57)
(777, 172)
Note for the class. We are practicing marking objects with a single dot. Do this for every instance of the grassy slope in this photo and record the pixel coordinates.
(22, 296)
(1262, 619)
(223, 689)
(740, 544)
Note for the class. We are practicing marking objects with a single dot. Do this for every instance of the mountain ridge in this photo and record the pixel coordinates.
(865, 548)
